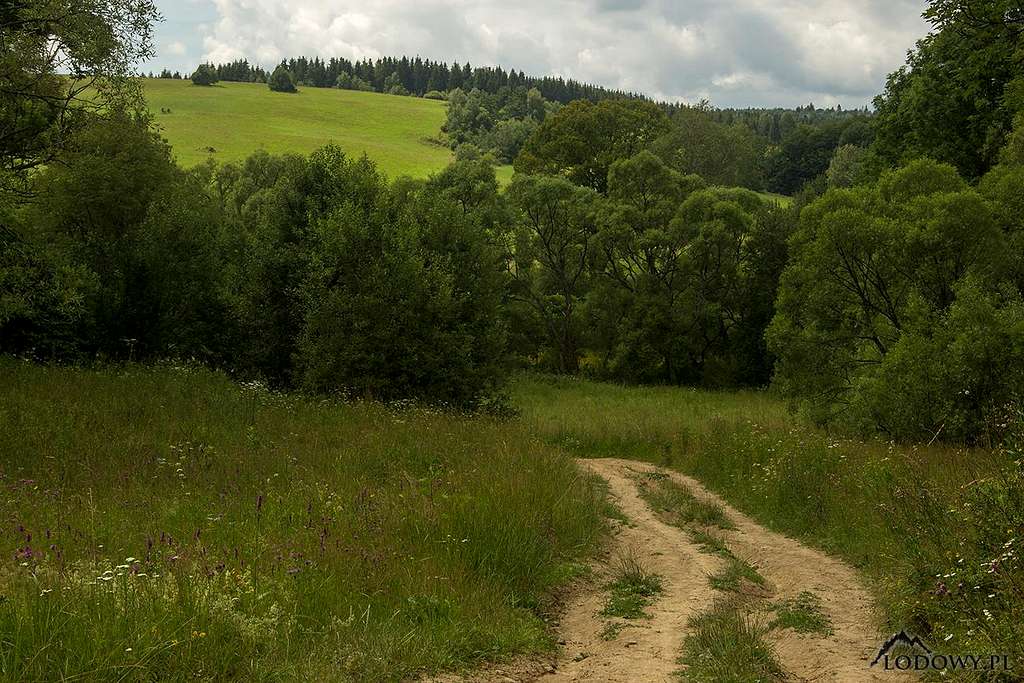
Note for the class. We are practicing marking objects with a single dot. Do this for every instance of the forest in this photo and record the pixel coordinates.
(885, 298)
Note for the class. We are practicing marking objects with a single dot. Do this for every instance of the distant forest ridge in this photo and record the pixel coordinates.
(418, 76)
(423, 77)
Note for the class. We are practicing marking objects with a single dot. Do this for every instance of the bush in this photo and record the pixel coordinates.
(205, 74)
(282, 80)
(897, 310)
(347, 81)
(402, 300)
(434, 95)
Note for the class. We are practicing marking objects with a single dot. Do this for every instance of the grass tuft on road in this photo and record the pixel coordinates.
(632, 589)
(737, 576)
(803, 614)
(678, 504)
(728, 644)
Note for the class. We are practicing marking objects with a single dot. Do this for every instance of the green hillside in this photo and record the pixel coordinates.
(229, 121)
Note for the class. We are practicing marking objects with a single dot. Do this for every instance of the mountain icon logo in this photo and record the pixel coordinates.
(901, 638)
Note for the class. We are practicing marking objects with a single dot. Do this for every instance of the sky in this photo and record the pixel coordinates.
(734, 53)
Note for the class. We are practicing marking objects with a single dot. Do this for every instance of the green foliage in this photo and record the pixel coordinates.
(550, 244)
(887, 288)
(955, 99)
(347, 81)
(336, 280)
(498, 123)
(847, 166)
(722, 155)
(282, 80)
(393, 85)
(402, 295)
(683, 271)
(181, 526)
(49, 92)
(204, 74)
(43, 295)
(97, 201)
(582, 140)
(807, 151)
(474, 186)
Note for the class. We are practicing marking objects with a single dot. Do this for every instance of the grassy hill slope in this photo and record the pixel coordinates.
(236, 119)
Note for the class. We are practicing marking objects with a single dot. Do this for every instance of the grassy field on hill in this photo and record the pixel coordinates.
(236, 119)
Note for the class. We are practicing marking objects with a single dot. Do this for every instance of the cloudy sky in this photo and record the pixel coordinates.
(732, 52)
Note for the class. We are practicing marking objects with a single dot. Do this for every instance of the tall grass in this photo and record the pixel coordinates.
(166, 523)
(940, 528)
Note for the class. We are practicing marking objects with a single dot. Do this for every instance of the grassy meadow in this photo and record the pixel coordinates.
(236, 119)
(166, 523)
(937, 528)
(780, 199)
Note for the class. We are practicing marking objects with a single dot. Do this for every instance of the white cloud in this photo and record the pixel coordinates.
(176, 48)
(737, 52)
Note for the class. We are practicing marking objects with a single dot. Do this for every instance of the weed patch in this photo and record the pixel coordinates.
(736, 576)
(709, 543)
(675, 502)
(803, 614)
(632, 589)
(727, 644)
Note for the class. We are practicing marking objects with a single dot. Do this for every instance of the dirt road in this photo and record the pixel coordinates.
(648, 650)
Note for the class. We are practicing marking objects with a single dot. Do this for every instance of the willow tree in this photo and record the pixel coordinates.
(64, 63)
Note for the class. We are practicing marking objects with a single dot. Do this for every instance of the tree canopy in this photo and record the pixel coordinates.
(956, 98)
(582, 140)
(53, 53)
(282, 80)
(204, 75)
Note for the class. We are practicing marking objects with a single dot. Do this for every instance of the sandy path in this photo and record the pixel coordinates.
(647, 650)
(788, 566)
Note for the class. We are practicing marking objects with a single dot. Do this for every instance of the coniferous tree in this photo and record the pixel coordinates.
(282, 80)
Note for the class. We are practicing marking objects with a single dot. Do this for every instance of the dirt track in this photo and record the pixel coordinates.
(649, 649)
